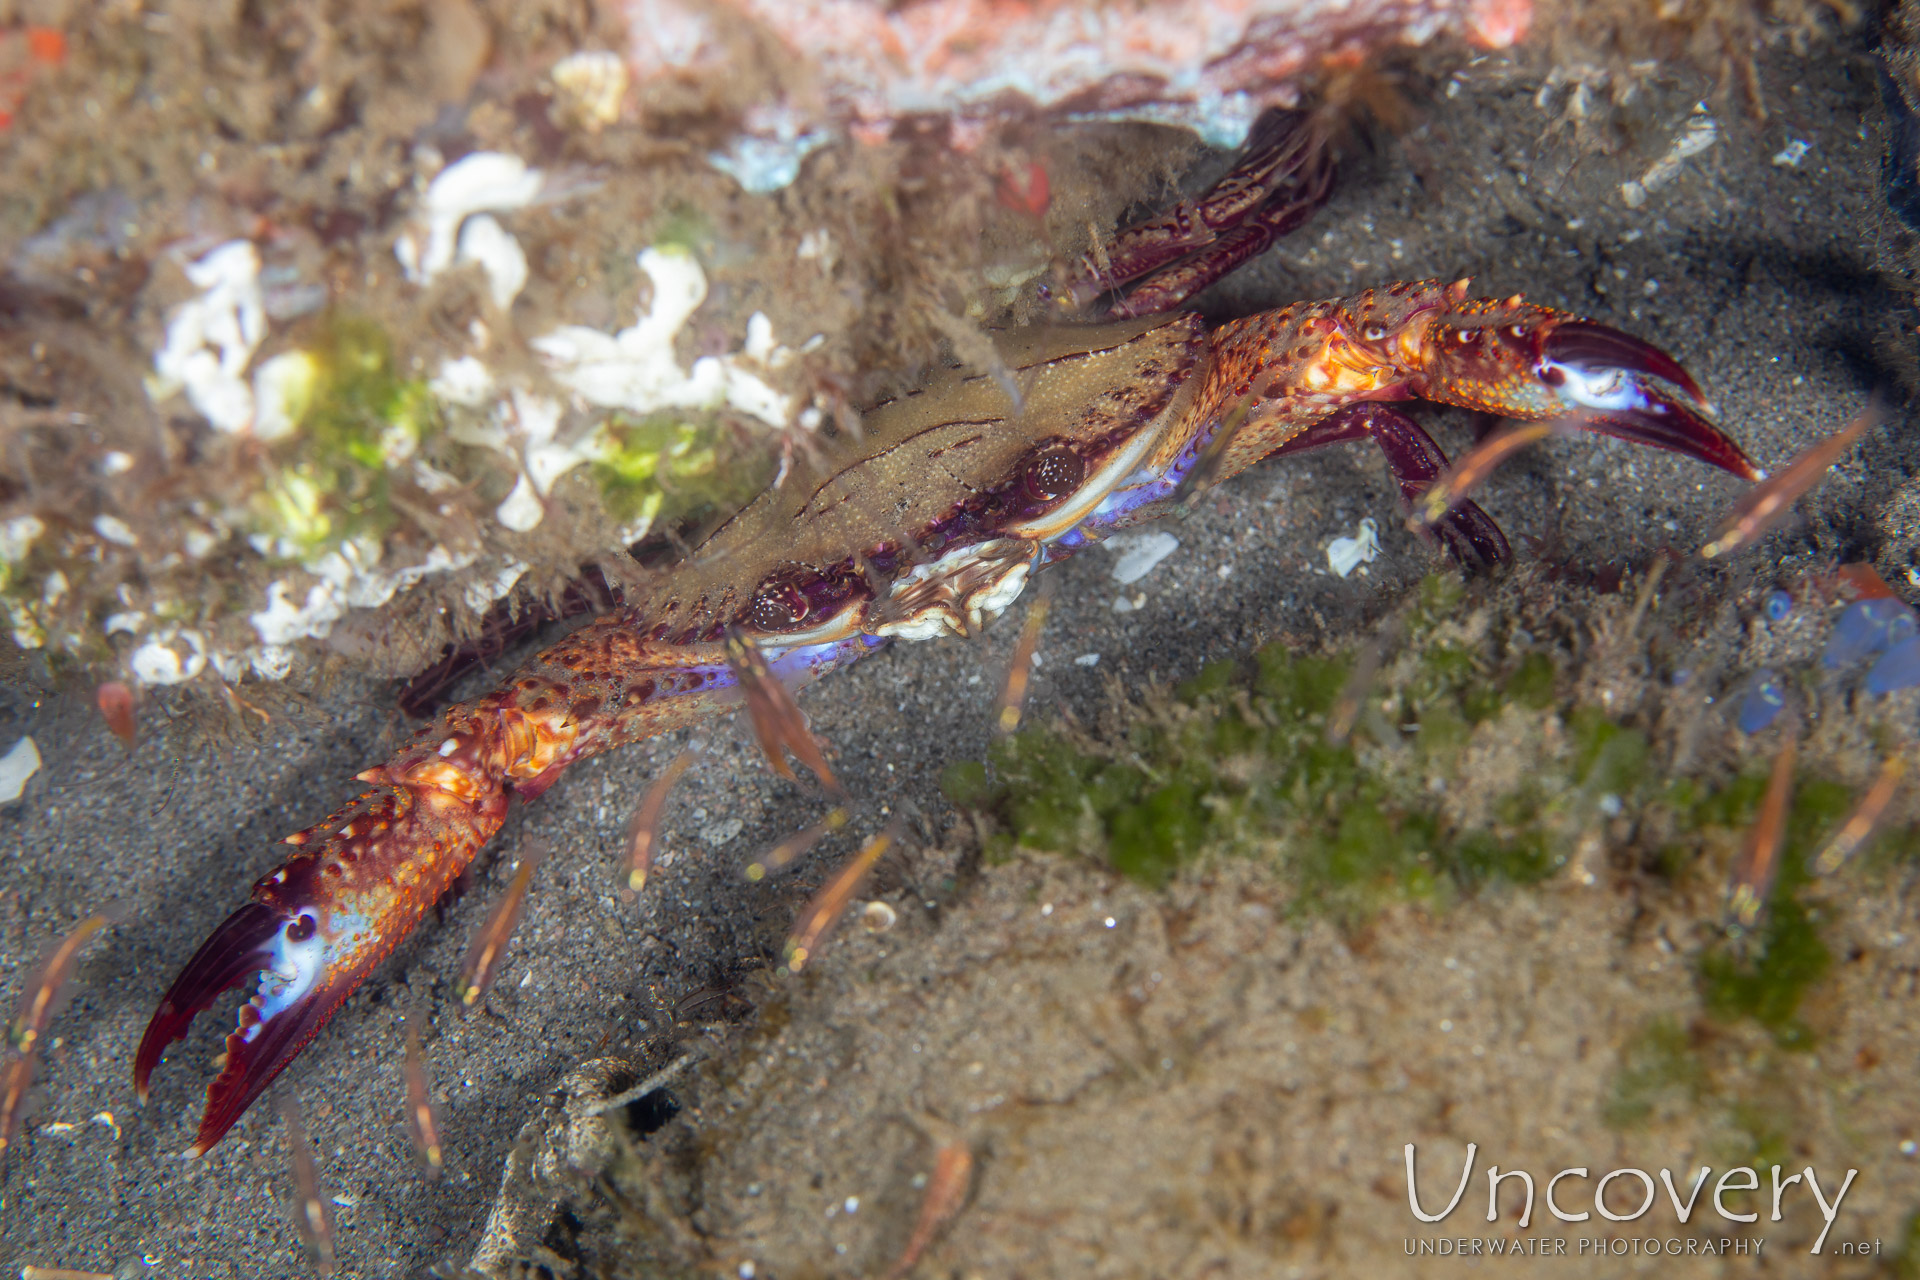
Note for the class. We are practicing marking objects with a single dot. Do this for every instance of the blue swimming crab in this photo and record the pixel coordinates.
(931, 522)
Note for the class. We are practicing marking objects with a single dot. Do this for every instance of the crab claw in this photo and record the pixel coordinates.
(300, 987)
(320, 922)
(1605, 374)
(1532, 363)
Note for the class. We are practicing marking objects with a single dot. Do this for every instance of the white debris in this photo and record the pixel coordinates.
(283, 392)
(161, 661)
(1344, 555)
(116, 462)
(348, 580)
(721, 832)
(543, 459)
(271, 661)
(198, 543)
(1139, 553)
(523, 510)
(547, 458)
(211, 339)
(590, 86)
(17, 537)
(816, 245)
(1702, 131)
(16, 767)
(488, 243)
(131, 621)
(636, 369)
(767, 162)
(115, 530)
(465, 381)
(1087, 660)
(484, 182)
(54, 589)
(1790, 156)
(481, 595)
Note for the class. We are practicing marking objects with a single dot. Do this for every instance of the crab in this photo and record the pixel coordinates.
(932, 522)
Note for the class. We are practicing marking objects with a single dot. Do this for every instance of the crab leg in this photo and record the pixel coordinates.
(1470, 535)
(1284, 174)
(362, 879)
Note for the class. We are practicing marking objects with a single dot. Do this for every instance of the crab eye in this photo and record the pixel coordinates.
(301, 929)
(1374, 332)
(778, 606)
(1053, 472)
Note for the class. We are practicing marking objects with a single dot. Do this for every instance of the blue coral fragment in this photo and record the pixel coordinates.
(1868, 627)
(1779, 605)
(1898, 668)
(1763, 702)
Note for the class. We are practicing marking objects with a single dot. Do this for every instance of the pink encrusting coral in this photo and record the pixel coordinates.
(1210, 63)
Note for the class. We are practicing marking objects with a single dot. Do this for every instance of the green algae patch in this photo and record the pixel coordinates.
(1239, 759)
(1660, 1069)
(353, 418)
(1767, 974)
(362, 411)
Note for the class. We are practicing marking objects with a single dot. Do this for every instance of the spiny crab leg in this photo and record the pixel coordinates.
(362, 879)
(1283, 174)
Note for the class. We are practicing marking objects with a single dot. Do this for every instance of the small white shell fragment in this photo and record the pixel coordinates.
(129, 621)
(1702, 131)
(763, 163)
(815, 245)
(17, 537)
(480, 595)
(491, 245)
(465, 381)
(159, 661)
(484, 182)
(1790, 156)
(198, 542)
(211, 339)
(547, 459)
(590, 86)
(878, 916)
(636, 369)
(115, 530)
(1139, 554)
(1344, 555)
(16, 767)
(349, 580)
(270, 661)
(523, 510)
(721, 832)
(116, 462)
(1087, 660)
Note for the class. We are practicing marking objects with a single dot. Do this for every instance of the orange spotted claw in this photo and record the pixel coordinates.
(314, 930)
(1509, 357)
